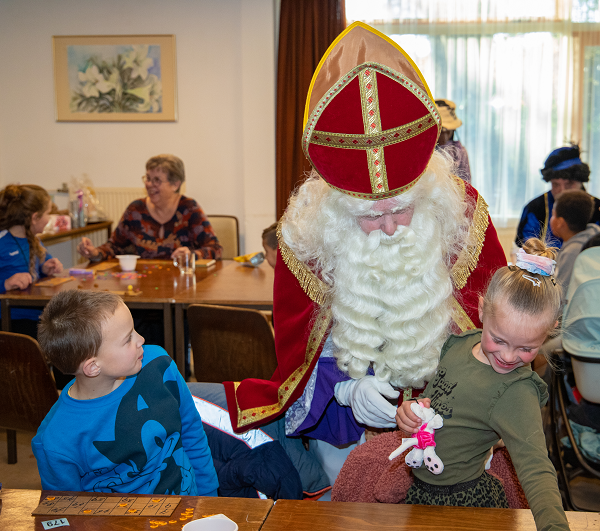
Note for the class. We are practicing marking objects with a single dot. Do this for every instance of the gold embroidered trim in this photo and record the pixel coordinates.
(314, 287)
(461, 184)
(545, 227)
(377, 171)
(345, 80)
(369, 100)
(320, 327)
(460, 317)
(386, 138)
(383, 195)
(469, 256)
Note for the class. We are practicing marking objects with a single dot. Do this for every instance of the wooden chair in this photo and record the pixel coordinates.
(578, 476)
(227, 230)
(27, 388)
(230, 344)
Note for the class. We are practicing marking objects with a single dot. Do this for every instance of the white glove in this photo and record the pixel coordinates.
(368, 406)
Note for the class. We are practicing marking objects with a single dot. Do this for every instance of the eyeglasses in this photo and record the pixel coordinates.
(156, 181)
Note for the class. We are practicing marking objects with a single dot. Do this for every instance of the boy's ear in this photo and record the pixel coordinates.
(480, 308)
(560, 223)
(90, 368)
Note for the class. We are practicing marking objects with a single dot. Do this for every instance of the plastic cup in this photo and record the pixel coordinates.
(218, 522)
(127, 261)
(186, 263)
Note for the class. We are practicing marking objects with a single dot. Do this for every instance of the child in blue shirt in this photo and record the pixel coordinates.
(127, 423)
(24, 212)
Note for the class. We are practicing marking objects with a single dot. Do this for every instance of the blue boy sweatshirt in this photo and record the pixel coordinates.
(145, 437)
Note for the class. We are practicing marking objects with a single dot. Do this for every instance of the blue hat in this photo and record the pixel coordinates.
(565, 163)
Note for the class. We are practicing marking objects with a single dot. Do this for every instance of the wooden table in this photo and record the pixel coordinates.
(164, 288)
(56, 237)
(233, 284)
(158, 289)
(17, 506)
(293, 515)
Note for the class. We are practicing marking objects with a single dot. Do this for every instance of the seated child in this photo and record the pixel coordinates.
(127, 422)
(485, 390)
(24, 212)
(571, 214)
(269, 241)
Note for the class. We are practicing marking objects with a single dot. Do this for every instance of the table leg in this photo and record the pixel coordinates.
(180, 346)
(168, 327)
(11, 440)
(5, 308)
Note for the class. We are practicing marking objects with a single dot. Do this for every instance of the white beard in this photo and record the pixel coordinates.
(391, 303)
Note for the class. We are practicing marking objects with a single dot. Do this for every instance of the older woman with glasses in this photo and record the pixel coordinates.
(165, 224)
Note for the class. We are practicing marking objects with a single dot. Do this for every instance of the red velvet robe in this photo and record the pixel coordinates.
(302, 320)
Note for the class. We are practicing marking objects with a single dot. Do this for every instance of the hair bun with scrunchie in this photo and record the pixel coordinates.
(540, 265)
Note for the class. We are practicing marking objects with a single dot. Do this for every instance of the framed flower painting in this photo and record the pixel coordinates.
(115, 78)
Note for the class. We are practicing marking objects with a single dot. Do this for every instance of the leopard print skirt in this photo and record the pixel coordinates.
(485, 491)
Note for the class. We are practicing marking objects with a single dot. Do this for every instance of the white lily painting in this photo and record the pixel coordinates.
(115, 78)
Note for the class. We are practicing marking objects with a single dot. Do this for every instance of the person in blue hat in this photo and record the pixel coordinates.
(564, 170)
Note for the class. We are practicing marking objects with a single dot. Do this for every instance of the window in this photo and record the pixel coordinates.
(522, 73)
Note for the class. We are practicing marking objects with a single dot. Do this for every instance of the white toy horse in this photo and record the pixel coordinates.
(423, 441)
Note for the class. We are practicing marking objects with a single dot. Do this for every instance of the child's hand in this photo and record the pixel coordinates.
(407, 421)
(18, 281)
(52, 267)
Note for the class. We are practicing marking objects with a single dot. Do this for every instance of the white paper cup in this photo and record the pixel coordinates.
(127, 261)
(217, 522)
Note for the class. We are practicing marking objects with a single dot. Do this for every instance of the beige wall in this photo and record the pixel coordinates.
(225, 132)
(507, 236)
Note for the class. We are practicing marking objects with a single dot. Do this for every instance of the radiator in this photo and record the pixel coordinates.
(114, 201)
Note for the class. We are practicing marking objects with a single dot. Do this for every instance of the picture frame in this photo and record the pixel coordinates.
(115, 78)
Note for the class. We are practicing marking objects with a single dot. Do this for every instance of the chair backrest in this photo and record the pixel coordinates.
(227, 230)
(27, 389)
(230, 344)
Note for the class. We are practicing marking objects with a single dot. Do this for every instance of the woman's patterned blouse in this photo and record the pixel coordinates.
(137, 233)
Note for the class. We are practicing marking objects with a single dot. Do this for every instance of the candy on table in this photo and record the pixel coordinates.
(80, 271)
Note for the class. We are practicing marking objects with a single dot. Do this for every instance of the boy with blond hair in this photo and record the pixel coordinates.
(127, 422)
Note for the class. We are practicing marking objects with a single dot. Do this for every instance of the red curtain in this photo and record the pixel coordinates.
(307, 28)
